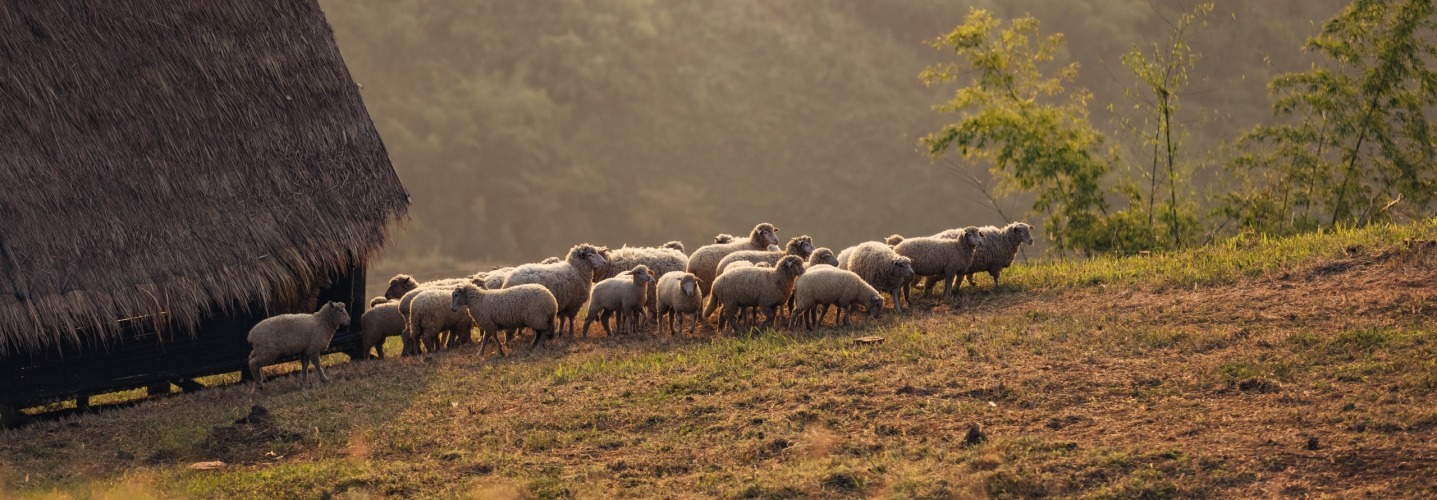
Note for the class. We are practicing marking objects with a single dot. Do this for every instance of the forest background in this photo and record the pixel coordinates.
(523, 128)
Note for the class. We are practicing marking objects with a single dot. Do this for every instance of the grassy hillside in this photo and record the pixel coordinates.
(1254, 368)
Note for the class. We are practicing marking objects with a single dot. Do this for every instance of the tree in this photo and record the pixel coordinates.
(1359, 147)
(1164, 75)
(1024, 123)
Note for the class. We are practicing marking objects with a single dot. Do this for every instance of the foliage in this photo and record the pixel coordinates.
(1358, 147)
(1019, 117)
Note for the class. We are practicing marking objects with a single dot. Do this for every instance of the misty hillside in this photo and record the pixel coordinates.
(521, 129)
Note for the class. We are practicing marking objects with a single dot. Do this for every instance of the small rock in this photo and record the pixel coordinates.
(975, 435)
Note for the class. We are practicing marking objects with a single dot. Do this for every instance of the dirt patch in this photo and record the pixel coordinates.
(252, 439)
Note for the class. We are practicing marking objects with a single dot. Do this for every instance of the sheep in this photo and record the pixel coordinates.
(660, 260)
(381, 321)
(494, 279)
(289, 334)
(703, 263)
(426, 314)
(825, 285)
(767, 288)
(943, 258)
(675, 245)
(802, 246)
(401, 285)
(550, 260)
(626, 294)
(881, 267)
(723, 238)
(1000, 245)
(569, 280)
(678, 295)
(822, 255)
(519, 306)
(893, 240)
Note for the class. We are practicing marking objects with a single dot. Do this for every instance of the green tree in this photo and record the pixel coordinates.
(1019, 118)
(1359, 147)
(1164, 75)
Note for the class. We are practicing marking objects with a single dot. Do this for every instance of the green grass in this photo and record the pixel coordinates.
(1087, 380)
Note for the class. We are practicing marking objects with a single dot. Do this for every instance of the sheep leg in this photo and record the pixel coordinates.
(256, 371)
(994, 274)
(897, 304)
(304, 373)
(770, 313)
(314, 359)
(604, 316)
(589, 320)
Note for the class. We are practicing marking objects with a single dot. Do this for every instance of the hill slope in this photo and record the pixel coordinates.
(1297, 366)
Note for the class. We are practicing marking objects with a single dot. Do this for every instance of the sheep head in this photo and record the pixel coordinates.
(801, 246)
(893, 239)
(377, 301)
(903, 267)
(822, 256)
(689, 284)
(336, 311)
(722, 238)
(459, 299)
(790, 265)
(590, 254)
(764, 235)
(972, 236)
(875, 305)
(1023, 231)
(641, 274)
(399, 285)
(675, 245)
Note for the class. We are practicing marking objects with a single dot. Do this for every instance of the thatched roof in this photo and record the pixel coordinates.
(174, 161)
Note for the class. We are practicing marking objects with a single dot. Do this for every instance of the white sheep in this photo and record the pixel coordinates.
(822, 255)
(426, 314)
(881, 267)
(825, 285)
(660, 260)
(943, 258)
(703, 263)
(289, 334)
(679, 295)
(626, 294)
(802, 246)
(1000, 246)
(569, 281)
(765, 288)
(519, 306)
(381, 321)
(676, 245)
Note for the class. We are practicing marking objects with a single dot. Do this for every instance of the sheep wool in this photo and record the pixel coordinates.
(519, 306)
(881, 267)
(625, 295)
(802, 246)
(381, 321)
(765, 288)
(1000, 246)
(825, 285)
(569, 281)
(678, 294)
(943, 258)
(289, 334)
(703, 263)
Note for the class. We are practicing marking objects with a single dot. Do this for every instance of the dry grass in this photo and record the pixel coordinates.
(1311, 378)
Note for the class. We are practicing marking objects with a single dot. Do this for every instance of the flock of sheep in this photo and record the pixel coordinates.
(636, 286)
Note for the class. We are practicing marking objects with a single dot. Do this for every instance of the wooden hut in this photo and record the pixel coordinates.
(171, 173)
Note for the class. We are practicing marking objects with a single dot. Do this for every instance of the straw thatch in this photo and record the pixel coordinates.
(167, 162)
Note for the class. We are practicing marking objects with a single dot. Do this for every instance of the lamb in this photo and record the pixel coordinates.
(943, 258)
(569, 281)
(626, 294)
(678, 295)
(660, 260)
(704, 261)
(519, 306)
(426, 313)
(802, 246)
(289, 334)
(881, 267)
(1000, 246)
(766, 288)
(381, 321)
(402, 284)
(824, 285)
